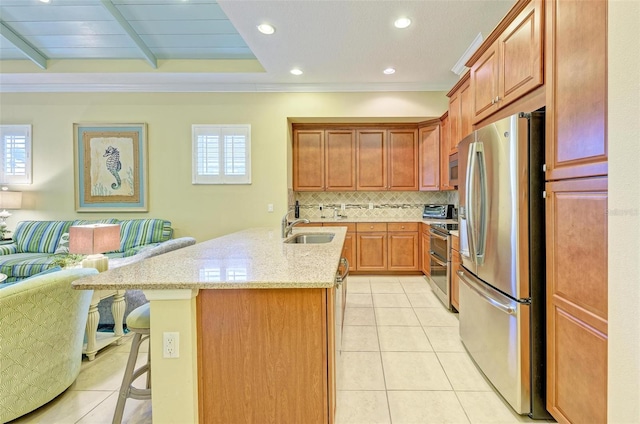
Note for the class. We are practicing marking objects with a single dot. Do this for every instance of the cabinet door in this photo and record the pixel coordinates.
(308, 160)
(576, 87)
(426, 249)
(349, 251)
(577, 316)
(340, 164)
(372, 251)
(403, 251)
(466, 114)
(429, 157)
(445, 131)
(454, 124)
(521, 54)
(403, 160)
(372, 160)
(484, 84)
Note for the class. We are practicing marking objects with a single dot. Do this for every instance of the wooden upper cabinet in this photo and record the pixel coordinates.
(454, 123)
(485, 84)
(445, 130)
(308, 160)
(340, 164)
(460, 113)
(429, 156)
(403, 160)
(512, 65)
(466, 113)
(372, 159)
(576, 78)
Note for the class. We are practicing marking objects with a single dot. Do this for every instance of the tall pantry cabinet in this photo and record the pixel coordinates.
(576, 209)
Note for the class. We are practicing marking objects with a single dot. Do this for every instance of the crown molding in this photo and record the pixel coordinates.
(69, 87)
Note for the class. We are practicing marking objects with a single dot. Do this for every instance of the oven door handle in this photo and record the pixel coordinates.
(437, 259)
(437, 235)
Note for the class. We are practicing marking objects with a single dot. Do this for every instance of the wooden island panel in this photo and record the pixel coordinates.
(263, 356)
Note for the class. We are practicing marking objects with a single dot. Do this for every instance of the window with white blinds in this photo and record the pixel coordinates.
(15, 148)
(221, 154)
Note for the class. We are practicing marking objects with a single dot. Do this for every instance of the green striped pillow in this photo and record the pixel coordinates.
(138, 232)
(39, 236)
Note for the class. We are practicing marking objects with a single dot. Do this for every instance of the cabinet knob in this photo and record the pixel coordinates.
(402, 227)
(371, 227)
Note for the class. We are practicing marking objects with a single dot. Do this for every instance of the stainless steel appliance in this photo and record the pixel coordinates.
(440, 217)
(502, 279)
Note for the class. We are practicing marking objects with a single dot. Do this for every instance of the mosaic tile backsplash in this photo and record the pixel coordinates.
(371, 204)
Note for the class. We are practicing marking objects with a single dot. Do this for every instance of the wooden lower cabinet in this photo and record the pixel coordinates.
(426, 249)
(404, 247)
(372, 251)
(393, 246)
(267, 356)
(577, 326)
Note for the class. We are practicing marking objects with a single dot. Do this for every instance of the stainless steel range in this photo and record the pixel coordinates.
(441, 220)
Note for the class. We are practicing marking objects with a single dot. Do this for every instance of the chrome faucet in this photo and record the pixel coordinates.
(288, 228)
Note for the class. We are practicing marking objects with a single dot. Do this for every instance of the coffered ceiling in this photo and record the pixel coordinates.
(207, 45)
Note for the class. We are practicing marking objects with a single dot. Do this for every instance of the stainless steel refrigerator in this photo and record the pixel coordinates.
(502, 278)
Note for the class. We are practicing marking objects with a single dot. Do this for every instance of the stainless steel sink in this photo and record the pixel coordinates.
(310, 238)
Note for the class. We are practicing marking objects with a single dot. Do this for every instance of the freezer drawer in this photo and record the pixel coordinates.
(495, 331)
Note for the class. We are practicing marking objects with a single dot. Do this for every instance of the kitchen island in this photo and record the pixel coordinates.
(256, 323)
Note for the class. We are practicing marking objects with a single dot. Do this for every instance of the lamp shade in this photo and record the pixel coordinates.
(10, 199)
(92, 239)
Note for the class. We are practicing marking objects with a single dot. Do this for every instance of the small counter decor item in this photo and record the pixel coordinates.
(94, 240)
(110, 167)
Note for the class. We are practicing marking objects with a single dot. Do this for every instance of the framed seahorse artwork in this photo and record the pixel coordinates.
(110, 167)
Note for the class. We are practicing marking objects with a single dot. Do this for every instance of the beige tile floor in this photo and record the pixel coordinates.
(402, 362)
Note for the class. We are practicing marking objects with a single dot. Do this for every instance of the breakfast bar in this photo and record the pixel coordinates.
(256, 318)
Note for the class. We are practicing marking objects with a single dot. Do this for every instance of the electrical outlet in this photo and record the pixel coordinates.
(270, 207)
(370, 205)
(170, 345)
(343, 206)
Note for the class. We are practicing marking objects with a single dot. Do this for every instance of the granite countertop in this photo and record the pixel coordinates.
(455, 233)
(255, 258)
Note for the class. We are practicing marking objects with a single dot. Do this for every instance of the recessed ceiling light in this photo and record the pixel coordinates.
(389, 71)
(45, 1)
(266, 29)
(402, 23)
(296, 71)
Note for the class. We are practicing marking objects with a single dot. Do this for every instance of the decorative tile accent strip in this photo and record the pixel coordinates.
(369, 204)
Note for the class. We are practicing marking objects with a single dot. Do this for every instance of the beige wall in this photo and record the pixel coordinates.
(202, 211)
(624, 216)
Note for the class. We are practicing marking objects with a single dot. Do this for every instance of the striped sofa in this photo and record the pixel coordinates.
(37, 244)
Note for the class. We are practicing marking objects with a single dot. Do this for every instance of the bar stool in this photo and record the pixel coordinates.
(137, 322)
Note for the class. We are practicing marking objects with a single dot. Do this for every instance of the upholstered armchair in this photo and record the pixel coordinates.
(42, 322)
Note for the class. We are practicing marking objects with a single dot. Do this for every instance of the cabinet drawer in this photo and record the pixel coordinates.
(365, 227)
(351, 226)
(402, 226)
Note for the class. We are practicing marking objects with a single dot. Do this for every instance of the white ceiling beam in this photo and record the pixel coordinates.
(22, 45)
(148, 54)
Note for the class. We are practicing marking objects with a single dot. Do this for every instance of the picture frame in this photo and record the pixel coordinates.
(110, 167)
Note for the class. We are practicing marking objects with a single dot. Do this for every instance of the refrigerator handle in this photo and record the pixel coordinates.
(480, 247)
(507, 309)
(469, 181)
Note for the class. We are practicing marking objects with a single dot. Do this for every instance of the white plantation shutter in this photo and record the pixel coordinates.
(15, 151)
(221, 154)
